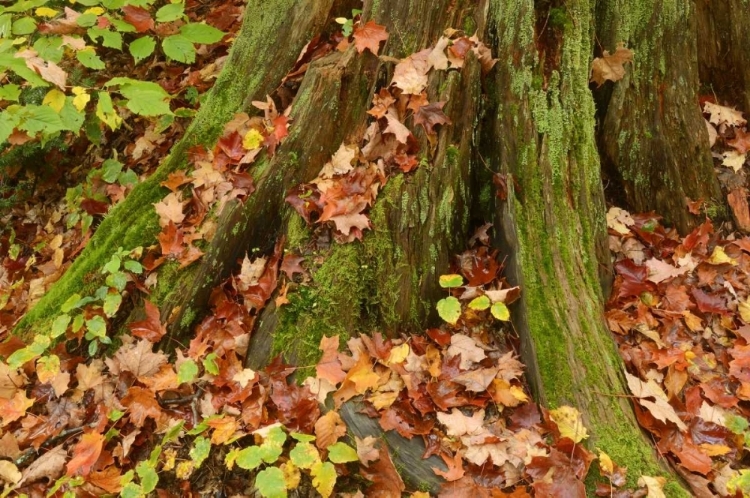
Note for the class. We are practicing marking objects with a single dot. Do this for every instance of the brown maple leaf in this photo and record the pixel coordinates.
(141, 404)
(170, 209)
(369, 37)
(741, 141)
(137, 358)
(431, 115)
(611, 67)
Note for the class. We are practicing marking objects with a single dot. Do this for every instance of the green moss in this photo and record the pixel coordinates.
(329, 305)
(297, 232)
(188, 317)
(557, 168)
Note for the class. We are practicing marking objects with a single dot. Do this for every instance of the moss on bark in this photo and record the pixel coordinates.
(652, 127)
(552, 223)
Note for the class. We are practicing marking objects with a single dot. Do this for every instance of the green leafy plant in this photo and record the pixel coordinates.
(280, 473)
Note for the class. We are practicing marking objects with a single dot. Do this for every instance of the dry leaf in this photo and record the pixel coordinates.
(610, 67)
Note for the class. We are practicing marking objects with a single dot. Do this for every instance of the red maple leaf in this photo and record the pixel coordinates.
(369, 36)
(139, 17)
(151, 328)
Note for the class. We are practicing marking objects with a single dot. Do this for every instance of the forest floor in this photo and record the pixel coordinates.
(93, 416)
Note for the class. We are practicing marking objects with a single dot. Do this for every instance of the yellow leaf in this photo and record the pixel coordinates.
(45, 12)
(97, 11)
(291, 475)
(744, 309)
(420, 494)
(569, 422)
(253, 139)
(398, 354)
(47, 368)
(713, 450)
(517, 392)
(55, 99)
(324, 478)
(655, 486)
(9, 472)
(184, 469)
(606, 464)
(170, 456)
(719, 257)
(81, 98)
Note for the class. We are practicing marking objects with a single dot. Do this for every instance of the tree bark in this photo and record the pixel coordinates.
(541, 136)
(653, 138)
(723, 39)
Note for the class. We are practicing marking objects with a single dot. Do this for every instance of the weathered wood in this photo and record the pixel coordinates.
(328, 110)
(653, 138)
(389, 282)
(552, 222)
(407, 454)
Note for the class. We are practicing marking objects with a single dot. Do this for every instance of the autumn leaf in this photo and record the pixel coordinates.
(141, 404)
(369, 37)
(14, 408)
(610, 67)
(151, 327)
(328, 429)
(170, 209)
(139, 17)
(569, 423)
(720, 114)
(455, 467)
(85, 454)
(465, 347)
(660, 408)
(430, 116)
(457, 424)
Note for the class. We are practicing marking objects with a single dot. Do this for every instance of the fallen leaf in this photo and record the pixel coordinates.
(369, 37)
(466, 347)
(723, 115)
(611, 67)
(660, 408)
(457, 424)
(85, 454)
(569, 423)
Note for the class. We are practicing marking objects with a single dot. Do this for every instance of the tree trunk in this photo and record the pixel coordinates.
(653, 137)
(532, 119)
(723, 39)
